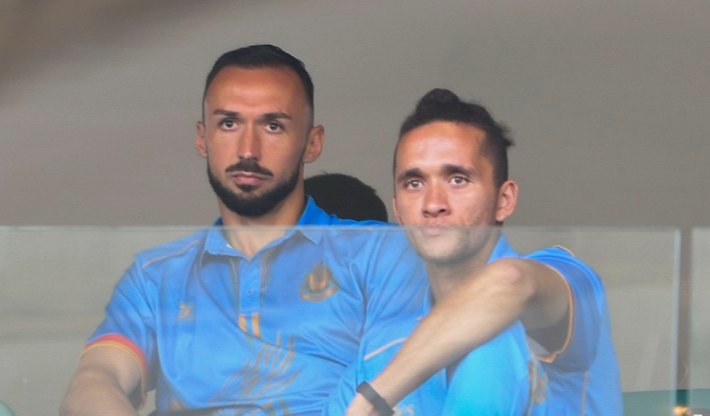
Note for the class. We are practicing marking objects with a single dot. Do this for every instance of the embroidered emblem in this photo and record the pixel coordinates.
(319, 284)
(185, 312)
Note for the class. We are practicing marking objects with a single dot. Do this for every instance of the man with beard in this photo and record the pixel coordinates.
(257, 319)
(452, 187)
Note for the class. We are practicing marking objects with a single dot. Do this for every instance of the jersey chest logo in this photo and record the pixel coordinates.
(319, 284)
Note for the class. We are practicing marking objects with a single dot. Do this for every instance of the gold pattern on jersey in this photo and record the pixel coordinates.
(185, 311)
(319, 284)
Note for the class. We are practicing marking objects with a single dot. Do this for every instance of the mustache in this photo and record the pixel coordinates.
(249, 165)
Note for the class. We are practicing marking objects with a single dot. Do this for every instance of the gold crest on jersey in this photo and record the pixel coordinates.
(319, 284)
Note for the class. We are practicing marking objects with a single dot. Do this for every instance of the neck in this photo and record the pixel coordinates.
(251, 234)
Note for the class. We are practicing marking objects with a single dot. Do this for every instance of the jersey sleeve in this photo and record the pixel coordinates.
(587, 303)
(129, 323)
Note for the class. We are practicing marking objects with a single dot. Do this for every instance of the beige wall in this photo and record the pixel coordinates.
(608, 100)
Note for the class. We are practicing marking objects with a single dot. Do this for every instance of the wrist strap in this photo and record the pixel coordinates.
(381, 406)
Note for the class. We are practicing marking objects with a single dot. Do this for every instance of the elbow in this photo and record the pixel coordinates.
(511, 282)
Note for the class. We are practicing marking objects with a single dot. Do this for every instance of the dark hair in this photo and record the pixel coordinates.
(443, 105)
(346, 197)
(261, 56)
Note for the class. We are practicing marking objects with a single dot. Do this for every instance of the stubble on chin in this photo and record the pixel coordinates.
(451, 247)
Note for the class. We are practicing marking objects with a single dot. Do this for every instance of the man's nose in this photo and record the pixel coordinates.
(436, 202)
(250, 144)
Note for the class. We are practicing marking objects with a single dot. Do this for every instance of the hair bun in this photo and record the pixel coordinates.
(436, 98)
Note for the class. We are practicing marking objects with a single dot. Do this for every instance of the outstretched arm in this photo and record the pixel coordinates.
(102, 384)
(468, 316)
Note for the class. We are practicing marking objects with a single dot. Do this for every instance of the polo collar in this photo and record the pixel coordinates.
(310, 225)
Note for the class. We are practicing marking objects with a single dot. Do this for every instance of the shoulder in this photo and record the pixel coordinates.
(179, 251)
(563, 260)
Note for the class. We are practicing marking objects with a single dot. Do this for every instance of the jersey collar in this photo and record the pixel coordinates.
(312, 218)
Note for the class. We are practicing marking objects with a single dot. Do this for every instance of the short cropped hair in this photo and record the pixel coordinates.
(346, 197)
(262, 56)
(443, 105)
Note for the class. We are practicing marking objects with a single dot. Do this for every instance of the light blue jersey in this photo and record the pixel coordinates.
(584, 373)
(271, 334)
(501, 377)
(511, 374)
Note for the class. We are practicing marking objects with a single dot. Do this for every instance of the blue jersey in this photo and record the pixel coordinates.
(501, 377)
(270, 334)
(583, 373)
(582, 377)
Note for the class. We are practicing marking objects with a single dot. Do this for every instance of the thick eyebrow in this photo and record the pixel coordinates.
(408, 174)
(275, 116)
(450, 169)
(263, 117)
(447, 169)
(221, 112)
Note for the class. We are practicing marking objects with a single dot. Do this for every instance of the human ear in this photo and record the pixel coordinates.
(314, 146)
(507, 200)
(200, 143)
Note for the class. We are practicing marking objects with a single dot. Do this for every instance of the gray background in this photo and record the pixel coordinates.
(608, 101)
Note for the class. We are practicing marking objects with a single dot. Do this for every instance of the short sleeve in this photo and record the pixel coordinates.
(129, 323)
(586, 292)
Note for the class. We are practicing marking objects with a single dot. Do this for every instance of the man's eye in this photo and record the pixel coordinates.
(413, 184)
(459, 180)
(228, 124)
(274, 126)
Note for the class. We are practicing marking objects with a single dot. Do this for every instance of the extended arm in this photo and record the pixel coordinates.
(470, 315)
(102, 384)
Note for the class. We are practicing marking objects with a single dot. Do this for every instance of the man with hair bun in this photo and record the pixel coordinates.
(452, 188)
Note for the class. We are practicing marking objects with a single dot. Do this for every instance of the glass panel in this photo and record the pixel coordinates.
(55, 283)
(698, 394)
(640, 272)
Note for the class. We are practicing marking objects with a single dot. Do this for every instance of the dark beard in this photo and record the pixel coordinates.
(255, 206)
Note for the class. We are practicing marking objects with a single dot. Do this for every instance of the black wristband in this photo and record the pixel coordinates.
(381, 406)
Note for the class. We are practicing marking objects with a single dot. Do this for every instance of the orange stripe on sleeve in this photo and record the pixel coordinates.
(570, 322)
(126, 345)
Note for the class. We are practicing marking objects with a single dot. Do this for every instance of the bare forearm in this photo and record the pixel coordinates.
(467, 317)
(102, 384)
(94, 393)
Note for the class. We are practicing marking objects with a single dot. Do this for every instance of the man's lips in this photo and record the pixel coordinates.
(432, 229)
(248, 178)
